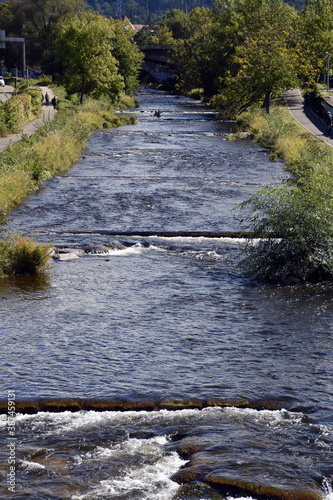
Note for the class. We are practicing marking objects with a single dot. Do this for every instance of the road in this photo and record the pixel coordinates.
(305, 117)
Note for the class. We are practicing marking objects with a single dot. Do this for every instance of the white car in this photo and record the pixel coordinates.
(2, 81)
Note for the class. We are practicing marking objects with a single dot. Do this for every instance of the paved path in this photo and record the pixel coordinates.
(48, 114)
(307, 118)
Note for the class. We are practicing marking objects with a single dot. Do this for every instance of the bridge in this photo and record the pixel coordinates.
(157, 66)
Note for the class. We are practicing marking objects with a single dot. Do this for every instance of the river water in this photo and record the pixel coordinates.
(159, 322)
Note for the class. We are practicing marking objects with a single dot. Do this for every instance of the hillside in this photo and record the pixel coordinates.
(149, 11)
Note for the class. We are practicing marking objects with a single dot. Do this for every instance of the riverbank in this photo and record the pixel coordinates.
(51, 149)
(47, 114)
(46, 147)
(299, 211)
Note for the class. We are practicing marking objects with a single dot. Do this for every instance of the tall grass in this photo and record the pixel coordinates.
(22, 256)
(56, 146)
(25, 166)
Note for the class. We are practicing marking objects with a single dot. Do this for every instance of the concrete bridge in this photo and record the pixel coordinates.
(157, 66)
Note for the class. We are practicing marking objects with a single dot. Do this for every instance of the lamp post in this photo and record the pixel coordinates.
(328, 70)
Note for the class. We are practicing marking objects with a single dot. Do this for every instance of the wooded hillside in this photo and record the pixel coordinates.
(150, 11)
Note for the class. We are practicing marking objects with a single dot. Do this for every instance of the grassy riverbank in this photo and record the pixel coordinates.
(56, 146)
(26, 165)
(299, 211)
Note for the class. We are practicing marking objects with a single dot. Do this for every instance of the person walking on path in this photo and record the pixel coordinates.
(47, 115)
(47, 99)
(54, 102)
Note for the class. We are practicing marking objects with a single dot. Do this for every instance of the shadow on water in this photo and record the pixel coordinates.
(28, 287)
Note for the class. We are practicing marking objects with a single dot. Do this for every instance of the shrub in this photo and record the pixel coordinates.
(45, 80)
(36, 96)
(15, 117)
(127, 101)
(22, 256)
(301, 220)
(299, 213)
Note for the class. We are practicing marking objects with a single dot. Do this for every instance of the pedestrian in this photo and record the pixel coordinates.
(54, 101)
(47, 99)
(329, 122)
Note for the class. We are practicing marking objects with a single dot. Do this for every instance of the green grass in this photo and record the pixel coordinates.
(25, 166)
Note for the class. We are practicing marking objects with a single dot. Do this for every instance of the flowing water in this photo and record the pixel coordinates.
(159, 323)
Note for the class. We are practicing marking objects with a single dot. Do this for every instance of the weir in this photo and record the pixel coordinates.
(158, 369)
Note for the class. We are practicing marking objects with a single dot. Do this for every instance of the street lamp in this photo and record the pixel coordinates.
(328, 70)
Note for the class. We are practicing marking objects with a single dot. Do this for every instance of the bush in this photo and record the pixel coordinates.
(294, 222)
(45, 80)
(15, 116)
(36, 96)
(22, 256)
(301, 221)
(19, 110)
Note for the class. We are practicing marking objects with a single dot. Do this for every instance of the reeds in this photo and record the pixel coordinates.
(21, 256)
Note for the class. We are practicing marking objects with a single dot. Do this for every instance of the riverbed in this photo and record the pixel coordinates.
(168, 320)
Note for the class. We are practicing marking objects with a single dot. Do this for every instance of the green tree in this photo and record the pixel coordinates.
(127, 54)
(268, 58)
(33, 21)
(317, 29)
(193, 52)
(85, 45)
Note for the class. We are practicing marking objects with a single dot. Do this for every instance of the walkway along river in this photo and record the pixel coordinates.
(160, 323)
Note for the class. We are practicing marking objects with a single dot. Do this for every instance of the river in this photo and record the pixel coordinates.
(213, 385)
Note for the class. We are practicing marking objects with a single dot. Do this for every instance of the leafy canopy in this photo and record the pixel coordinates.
(84, 46)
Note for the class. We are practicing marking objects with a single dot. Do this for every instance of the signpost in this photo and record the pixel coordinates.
(4, 39)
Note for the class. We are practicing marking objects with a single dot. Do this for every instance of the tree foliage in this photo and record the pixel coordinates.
(301, 220)
(266, 60)
(317, 28)
(33, 21)
(96, 56)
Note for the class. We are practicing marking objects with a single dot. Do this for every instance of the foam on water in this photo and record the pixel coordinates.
(136, 249)
(28, 465)
(146, 447)
(328, 489)
(266, 417)
(68, 421)
(149, 480)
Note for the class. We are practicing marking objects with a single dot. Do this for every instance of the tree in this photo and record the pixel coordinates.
(192, 53)
(34, 21)
(127, 54)
(84, 45)
(267, 59)
(317, 28)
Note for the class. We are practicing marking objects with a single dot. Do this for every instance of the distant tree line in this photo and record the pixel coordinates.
(151, 11)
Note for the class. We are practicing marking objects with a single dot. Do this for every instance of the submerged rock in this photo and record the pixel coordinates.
(233, 486)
